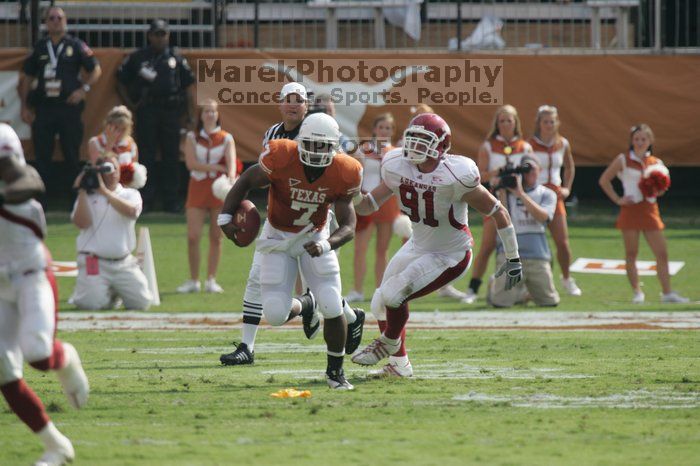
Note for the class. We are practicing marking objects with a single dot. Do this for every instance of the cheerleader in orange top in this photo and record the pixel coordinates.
(638, 213)
(208, 153)
(382, 131)
(554, 154)
(504, 145)
(116, 138)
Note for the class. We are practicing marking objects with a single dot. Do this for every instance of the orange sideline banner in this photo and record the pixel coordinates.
(599, 98)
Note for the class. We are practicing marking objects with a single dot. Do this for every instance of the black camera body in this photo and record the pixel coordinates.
(508, 175)
(89, 182)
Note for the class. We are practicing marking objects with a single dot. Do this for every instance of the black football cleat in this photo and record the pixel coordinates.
(354, 338)
(240, 357)
(337, 381)
(309, 317)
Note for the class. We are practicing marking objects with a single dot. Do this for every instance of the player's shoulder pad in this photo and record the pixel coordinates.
(464, 170)
(350, 168)
(392, 159)
(278, 154)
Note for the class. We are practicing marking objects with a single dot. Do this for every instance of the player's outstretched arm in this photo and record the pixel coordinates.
(22, 182)
(253, 177)
(485, 203)
(367, 203)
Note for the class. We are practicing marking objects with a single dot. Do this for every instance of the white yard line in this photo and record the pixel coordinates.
(475, 320)
(635, 399)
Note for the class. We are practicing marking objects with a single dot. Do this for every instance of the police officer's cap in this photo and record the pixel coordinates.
(158, 25)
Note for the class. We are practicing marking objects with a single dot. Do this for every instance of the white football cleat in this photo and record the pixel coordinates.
(449, 291)
(379, 349)
(210, 286)
(470, 297)
(674, 297)
(190, 286)
(58, 451)
(393, 369)
(354, 296)
(73, 379)
(638, 297)
(570, 286)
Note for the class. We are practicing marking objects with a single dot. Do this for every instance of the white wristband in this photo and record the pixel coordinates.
(224, 219)
(325, 246)
(510, 242)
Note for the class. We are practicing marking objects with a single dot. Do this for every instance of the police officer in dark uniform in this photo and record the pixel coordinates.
(56, 102)
(157, 84)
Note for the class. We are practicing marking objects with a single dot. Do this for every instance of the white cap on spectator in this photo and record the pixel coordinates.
(293, 88)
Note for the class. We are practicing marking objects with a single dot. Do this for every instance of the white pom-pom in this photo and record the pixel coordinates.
(140, 176)
(402, 226)
(656, 167)
(221, 186)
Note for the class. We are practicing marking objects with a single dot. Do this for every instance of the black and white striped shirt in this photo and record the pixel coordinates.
(277, 131)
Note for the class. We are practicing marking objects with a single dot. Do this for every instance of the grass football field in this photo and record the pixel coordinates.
(501, 397)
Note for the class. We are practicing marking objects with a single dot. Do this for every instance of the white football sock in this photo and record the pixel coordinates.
(248, 333)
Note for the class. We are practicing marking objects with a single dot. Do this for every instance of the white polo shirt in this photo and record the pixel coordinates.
(111, 235)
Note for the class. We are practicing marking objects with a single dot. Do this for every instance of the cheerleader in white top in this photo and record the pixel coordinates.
(639, 213)
(504, 145)
(553, 153)
(383, 129)
(209, 153)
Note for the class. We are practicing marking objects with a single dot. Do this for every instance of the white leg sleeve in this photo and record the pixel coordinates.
(323, 277)
(37, 314)
(278, 272)
(10, 352)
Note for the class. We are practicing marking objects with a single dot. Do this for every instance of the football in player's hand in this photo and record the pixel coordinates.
(247, 219)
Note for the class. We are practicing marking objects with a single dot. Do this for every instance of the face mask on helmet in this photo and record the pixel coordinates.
(317, 152)
(419, 144)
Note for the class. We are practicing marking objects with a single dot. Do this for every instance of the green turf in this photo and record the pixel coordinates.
(161, 398)
(591, 235)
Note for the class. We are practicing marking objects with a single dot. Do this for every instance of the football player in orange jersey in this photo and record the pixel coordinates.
(305, 177)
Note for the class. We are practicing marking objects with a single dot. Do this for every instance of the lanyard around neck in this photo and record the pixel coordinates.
(53, 57)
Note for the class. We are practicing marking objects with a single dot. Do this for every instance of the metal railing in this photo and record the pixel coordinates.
(589, 25)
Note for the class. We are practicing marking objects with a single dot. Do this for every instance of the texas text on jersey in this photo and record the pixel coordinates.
(294, 202)
(433, 201)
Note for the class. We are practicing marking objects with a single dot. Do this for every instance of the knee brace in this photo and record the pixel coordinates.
(330, 303)
(377, 306)
(276, 307)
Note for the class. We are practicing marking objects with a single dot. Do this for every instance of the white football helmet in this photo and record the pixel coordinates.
(10, 145)
(318, 140)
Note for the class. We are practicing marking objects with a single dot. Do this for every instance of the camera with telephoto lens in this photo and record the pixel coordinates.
(89, 182)
(508, 175)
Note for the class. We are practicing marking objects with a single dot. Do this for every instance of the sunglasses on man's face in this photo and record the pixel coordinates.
(55, 18)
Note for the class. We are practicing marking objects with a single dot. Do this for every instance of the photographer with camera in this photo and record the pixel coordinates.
(106, 213)
(531, 206)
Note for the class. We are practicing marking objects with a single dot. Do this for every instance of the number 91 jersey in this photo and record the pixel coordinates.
(433, 201)
(294, 202)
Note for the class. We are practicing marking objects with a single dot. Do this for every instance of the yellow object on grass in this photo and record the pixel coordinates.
(291, 393)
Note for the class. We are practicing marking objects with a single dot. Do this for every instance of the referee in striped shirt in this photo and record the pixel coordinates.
(293, 108)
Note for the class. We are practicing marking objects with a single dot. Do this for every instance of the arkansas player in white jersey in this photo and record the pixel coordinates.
(434, 189)
(28, 304)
